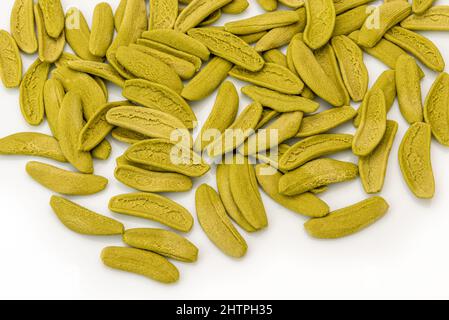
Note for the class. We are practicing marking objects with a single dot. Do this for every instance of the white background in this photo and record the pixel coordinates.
(405, 255)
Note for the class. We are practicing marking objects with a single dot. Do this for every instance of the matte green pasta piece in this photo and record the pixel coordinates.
(70, 124)
(10, 61)
(326, 58)
(211, 19)
(308, 93)
(320, 23)
(319, 190)
(295, 4)
(345, 5)
(207, 80)
(216, 224)
(119, 14)
(278, 37)
(386, 16)
(65, 182)
(65, 58)
(421, 47)
(179, 41)
(230, 47)
(373, 168)
(221, 117)
(103, 86)
(387, 83)
(415, 161)
(102, 29)
(350, 21)
(238, 132)
(315, 174)
(92, 95)
(133, 23)
(102, 151)
(153, 207)
(267, 116)
(183, 68)
(386, 51)
(112, 59)
(224, 190)
(421, 6)
(312, 148)
(235, 7)
(275, 56)
(32, 144)
(53, 15)
(325, 121)
(272, 76)
(31, 92)
(78, 34)
(159, 153)
(278, 101)
(145, 263)
(305, 204)
(284, 128)
(22, 25)
(436, 108)
(163, 242)
(408, 88)
(352, 66)
(50, 48)
(144, 66)
(163, 14)
(272, 156)
(268, 5)
(196, 12)
(253, 37)
(150, 181)
(122, 161)
(313, 74)
(127, 136)
(349, 220)
(97, 128)
(434, 19)
(172, 52)
(159, 97)
(372, 124)
(149, 122)
(53, 96)
(262, 22)
(99, 69)
(84, 221)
